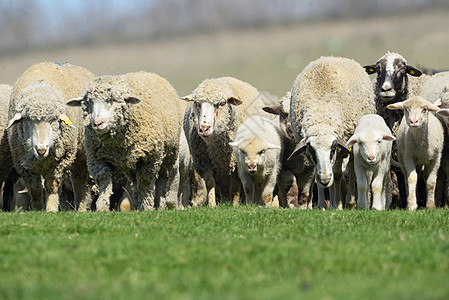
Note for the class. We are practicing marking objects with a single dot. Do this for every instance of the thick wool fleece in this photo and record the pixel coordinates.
(143, 139)
(40, 93)
(329, 97)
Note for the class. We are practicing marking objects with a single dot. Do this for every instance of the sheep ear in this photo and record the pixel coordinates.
(397, 105)
(413, 71)
(342, 144)
(301, 145)
(438, 102)
(65, 120)
(17, 117)
(234, 101)
(131, 99)
(75, 101)
(432, 107)
(388, 137)
(273, 146)
(352, 140)
(187, 98)
(233, 144)
(276, 110)
(443, 112)
(370, 69)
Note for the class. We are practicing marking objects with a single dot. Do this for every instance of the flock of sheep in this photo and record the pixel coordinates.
(75, 141)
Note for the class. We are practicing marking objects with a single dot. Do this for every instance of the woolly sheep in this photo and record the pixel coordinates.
(296, 178)
(328, 97)
(371, 144)
(420, 140)
(258, 148)
(43, 140)
(5, 156)
(130, 131)
(210, 123)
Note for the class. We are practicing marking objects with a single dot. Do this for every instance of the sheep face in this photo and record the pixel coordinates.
(416, 111)
(40, 135)
(322, 150)
(392, 70)
(103, 111)
(206, 114)
(368, 144)
(253, 151)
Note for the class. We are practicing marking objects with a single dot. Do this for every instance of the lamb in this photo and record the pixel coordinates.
(45, 138)
(372, 143)
(328, 97)
(258, 149)
(210, 123)
(130, 131)
(296, 178)
(420, 140)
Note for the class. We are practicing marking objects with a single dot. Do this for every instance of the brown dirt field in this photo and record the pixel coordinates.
(268, 58)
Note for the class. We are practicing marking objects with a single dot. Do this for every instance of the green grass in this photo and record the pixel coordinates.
(225, 253)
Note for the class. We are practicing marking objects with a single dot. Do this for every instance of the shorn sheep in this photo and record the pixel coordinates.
(328, 98)
(45, 137)
(133, 126)
(258, 149)
(218, 106)
(371, 144)
(420, 140)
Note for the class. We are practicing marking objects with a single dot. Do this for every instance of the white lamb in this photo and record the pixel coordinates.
(420, 140)
(258, 150)
(371, 144)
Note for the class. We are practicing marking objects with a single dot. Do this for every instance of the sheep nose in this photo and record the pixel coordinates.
(324, 178)
(252, 168)
(414, 122)
(205, 130)
(41, 151)
(98, 123)
(370, 157)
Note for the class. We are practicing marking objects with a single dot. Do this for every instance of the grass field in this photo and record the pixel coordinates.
(225, 253)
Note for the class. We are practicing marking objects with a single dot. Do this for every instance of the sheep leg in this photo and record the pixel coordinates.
(431, 184)
(412, 180)
(350, 195)
(199, 190)
(105, 192)
(234, 189)
(33, 182)
(378, 191)
(145, 194)
(362, 190)
(52, 188)
(267, 192)
(210, 187)
(248, 188)
(321, 200)
(81, 189)
(285, 183)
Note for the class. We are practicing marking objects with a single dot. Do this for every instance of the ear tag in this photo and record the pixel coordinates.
(371, 70)
(67, 122)
(412, 72)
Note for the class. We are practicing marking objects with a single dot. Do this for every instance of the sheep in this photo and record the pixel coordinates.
(5, 156)
(420, 140)
(45, 138)
(328, 97)
(296, 177)
(372, 144)
(210, 123)
(258, 148)
(133, 125)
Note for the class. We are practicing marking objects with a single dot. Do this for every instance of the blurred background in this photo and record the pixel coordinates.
(264, 42)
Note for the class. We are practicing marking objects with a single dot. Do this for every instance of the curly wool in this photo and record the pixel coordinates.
(144, 138)
(329, 97)
(40, 94)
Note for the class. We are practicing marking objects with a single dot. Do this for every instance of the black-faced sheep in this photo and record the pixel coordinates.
(328, 98)
(133, 125)
(43, 140)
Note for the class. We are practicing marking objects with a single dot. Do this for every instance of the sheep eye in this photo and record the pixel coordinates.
(261, 152)
(197, 105)
(424, 110)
